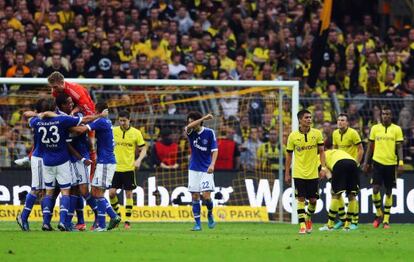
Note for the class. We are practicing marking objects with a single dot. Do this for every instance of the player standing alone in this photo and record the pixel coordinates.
(126, 138)
(200, 171)
(305, 143)
(386, 138)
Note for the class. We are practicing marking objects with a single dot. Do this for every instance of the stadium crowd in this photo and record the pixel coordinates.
(240, 40)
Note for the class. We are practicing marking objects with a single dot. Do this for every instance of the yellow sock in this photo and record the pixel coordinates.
(376, 199)
(341, 209)
(301, 214)
(355, 218)
(333, 210)
(387, 208)
(128, 208)
(115, 204)
(310, 211)
(351, 212)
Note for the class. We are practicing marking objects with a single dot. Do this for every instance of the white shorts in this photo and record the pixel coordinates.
(200, 181)
(103, 175)
(80, 173)
(61, 173)
(38, 172)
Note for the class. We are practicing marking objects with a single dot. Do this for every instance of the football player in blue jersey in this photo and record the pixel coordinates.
(105, 167)
(203, 158)
(79, 148)
(51, 132)
(38, 186)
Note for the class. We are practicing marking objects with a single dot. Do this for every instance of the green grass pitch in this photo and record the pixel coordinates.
(227, 242)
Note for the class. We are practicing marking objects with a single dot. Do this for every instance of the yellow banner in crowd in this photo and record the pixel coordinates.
(156, 214)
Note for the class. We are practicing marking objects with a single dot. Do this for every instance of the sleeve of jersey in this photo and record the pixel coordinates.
(289, 146)
(72, 121)
(213, 142)
(32, 121)
(399, 135)
(95, 125)
(357, 139)
(372, 134)
(140, 139)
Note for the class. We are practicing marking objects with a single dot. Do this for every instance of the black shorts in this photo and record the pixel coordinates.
(307, 188)
(383, 174)
(124, 180)
(345, 177)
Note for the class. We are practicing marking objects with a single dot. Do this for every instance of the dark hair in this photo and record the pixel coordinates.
(302, 112)
(194, 115)
(61, 99)
(124, 113)
(345, 115)
(101, 106)
(385, 107)
(45, 104)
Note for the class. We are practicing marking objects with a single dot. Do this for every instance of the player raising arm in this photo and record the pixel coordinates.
(203, 158)
(305, 143)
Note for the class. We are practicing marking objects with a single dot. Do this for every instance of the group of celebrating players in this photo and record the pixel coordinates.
(63, 154)
(342, 165)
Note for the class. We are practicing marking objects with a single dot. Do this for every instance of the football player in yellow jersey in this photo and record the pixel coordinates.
(127, 139)
(385, 142)
(305, 143)
(345, 178)
(347, 139)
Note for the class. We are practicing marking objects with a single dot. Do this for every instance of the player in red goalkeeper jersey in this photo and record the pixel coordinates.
(78, 93)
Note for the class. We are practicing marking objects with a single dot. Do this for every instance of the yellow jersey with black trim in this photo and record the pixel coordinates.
(332, 156)
(126, 142)
(347, 141)
(305, 149)
(385, 140)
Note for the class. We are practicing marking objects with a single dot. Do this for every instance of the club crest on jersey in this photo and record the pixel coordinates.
(204, 141)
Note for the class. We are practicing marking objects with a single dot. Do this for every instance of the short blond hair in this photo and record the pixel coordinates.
(55, 77)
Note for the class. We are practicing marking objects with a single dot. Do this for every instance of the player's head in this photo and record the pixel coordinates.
(194, 115)
(386, 115)
(342, 121)
(45, 104)
(64, 103)
(56, 81)
(305, 118)
(101, 106)
(124, 119)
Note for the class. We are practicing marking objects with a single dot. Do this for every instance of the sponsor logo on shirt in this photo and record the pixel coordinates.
(196, 145)
(302, 148)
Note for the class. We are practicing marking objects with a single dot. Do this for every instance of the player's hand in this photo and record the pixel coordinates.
(208, 117)
(288, 179)
(400, 169)
(210, 169)
(87, 162)
(322, 173)
(366, 168)
(175, 166)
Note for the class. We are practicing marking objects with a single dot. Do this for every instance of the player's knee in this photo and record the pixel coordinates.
(195, 196)
(312, 201)
(301, 199)
(375, 189)
(128, 193)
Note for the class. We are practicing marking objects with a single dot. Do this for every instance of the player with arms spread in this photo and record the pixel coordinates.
(204, 153)
(385, 140)
(305, 143)
(347, 139)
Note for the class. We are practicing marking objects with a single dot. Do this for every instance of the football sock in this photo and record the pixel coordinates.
(376, 199)
(341, 209)
(310, 211)
(196, 211)
(47, 209)
(28, 205)
(301, 213)
(73, 201)
(115, 204)
(64, 208)
(101, 204)
(387, 208)
(128, 208)
(209, 205)
(333, 211)
(109, 210)
(91, 201)
(355, 218)
(352, 206)
(80, 205)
